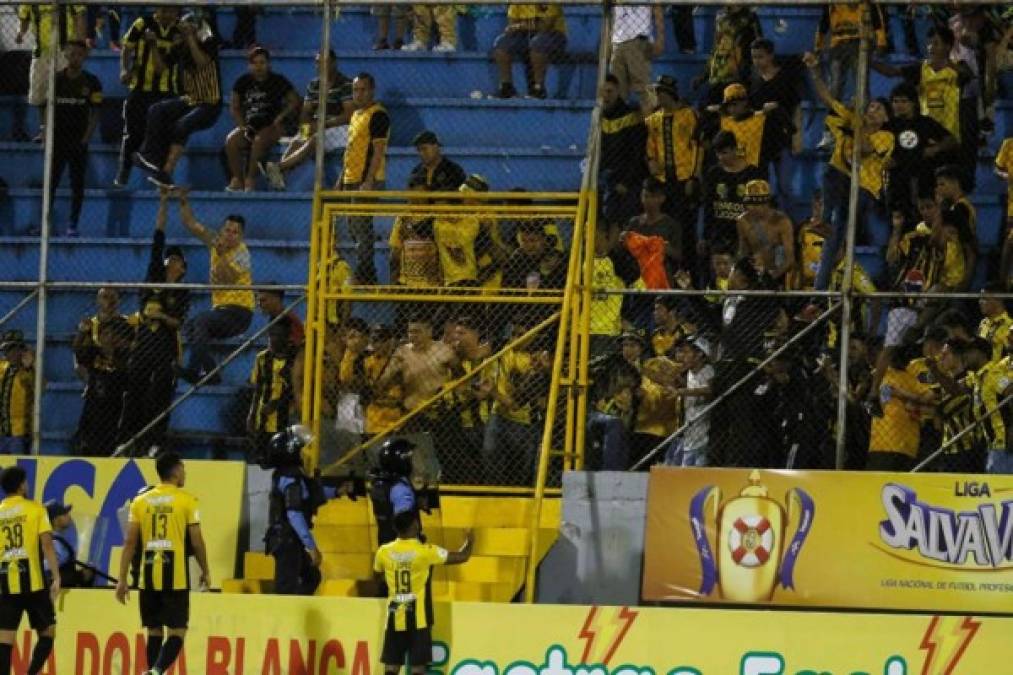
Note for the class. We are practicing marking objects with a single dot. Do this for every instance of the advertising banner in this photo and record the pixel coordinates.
(933, 542)
(98, 489)
(275, 635)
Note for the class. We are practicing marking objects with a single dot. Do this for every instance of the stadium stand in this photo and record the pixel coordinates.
(638, 348)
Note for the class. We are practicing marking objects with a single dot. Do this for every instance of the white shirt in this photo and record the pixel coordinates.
(631, 21)
(696, 434)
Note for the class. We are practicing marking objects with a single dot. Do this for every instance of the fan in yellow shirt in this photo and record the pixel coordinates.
(534, 34)
(893, 439)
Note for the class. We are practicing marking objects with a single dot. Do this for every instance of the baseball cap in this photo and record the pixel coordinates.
(703, 344)
(632, 335)
(56, 508)
(734, 92)
(426, 138)
(668, 84)
(757, 192)
(11, 339)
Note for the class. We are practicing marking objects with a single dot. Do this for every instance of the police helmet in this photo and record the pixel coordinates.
(286, 446)
(395, 456)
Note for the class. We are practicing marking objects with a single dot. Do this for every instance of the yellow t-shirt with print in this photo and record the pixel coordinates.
(384, 408)
(899, 429)
(455, 242)
(995, 331)
(656, 413)
(841, 125)
(242, 267)
(512, 366)
(605, 309)
(339, 279)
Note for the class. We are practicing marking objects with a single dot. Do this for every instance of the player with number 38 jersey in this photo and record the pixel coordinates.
(25, 536)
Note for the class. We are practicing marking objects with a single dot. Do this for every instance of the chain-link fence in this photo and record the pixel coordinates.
(455, 347)
(798, 143)
(809, 140)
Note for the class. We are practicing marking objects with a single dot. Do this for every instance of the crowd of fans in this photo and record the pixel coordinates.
(697, 194)
(686, 181)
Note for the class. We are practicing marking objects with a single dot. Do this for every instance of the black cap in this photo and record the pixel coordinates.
(177, 251)
(12, 339)
(56, 508)
(426, 138)
(668, 84)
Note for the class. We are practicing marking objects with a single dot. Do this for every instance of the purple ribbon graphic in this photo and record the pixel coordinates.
(805, 523)
(708, 566)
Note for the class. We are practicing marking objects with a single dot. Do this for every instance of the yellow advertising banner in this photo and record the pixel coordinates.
(97, 489)
(276, 635)
(932, 542)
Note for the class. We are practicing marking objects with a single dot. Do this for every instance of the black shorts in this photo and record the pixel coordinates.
(169, 609)
(38, 605)
(414, 645)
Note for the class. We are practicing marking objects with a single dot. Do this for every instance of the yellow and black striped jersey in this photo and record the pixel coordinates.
(407, 566)
(163, 514)
(22, 524)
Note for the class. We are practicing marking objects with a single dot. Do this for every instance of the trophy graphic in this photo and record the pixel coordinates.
(748, 535)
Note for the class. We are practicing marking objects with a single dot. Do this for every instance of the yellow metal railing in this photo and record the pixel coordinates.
(334, 205)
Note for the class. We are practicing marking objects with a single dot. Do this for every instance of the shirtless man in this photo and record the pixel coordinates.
(422, 366)
(766, 234)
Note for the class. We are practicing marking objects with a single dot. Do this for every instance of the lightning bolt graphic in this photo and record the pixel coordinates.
(945, 641)
(589, 633)
(599, 629)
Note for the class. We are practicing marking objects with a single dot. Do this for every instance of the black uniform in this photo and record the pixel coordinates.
(390, 494)
(76, 97)
(151, 380)
(293, 492)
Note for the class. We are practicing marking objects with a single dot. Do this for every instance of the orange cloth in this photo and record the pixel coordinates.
(650, 255)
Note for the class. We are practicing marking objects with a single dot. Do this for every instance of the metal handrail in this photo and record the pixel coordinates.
(125, 449)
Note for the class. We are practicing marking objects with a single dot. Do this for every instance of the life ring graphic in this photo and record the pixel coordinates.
(751, 540)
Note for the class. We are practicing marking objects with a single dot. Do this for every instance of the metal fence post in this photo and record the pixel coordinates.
(47, 208)
(861, 84)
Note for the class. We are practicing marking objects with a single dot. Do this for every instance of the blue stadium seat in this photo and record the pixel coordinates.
(504, 167)
(397, 74)
(355, 28)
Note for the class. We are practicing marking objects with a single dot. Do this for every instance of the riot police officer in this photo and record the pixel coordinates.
(294, 500)
(391, 489)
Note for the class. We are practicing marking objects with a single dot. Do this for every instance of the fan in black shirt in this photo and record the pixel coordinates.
(434, 172)
(777, 80)
(923, 144)
(264, 107)
(723, 193)
(623, 155)
(78, 98)
(151, 376)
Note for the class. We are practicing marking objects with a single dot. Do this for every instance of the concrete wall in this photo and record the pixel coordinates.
(598, 557)
(258, 485)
